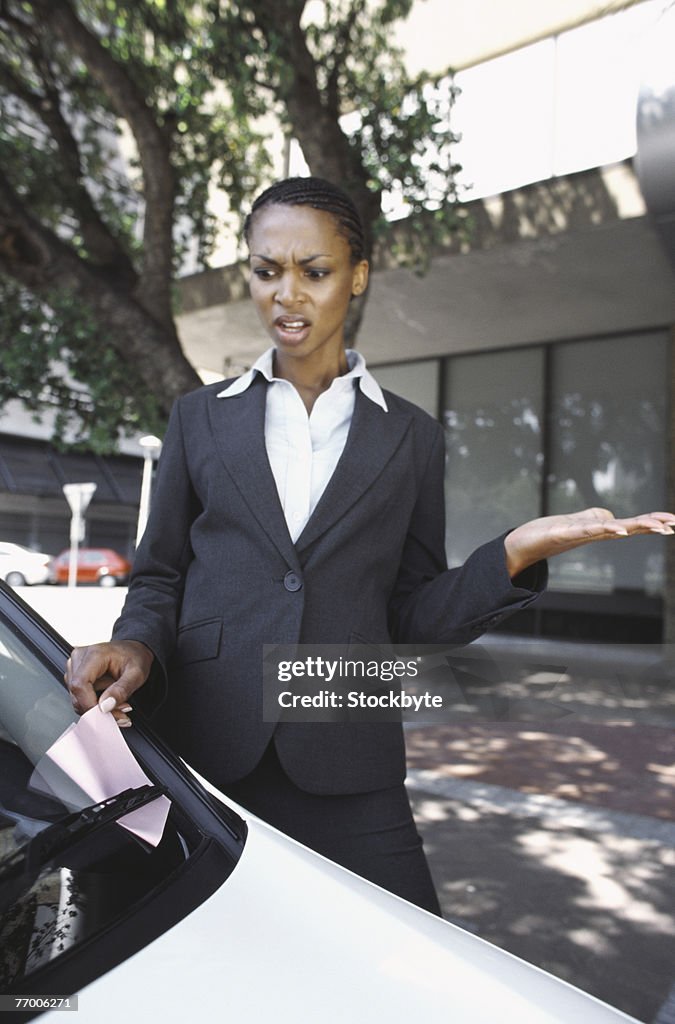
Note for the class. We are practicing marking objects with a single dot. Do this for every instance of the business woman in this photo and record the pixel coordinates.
(301, 503)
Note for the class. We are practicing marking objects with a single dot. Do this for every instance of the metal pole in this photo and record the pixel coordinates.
(78, 497)
(75, 534)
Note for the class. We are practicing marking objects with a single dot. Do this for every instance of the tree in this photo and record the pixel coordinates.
(90, 243)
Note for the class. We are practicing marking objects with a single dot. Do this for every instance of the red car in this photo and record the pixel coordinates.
(94, 565)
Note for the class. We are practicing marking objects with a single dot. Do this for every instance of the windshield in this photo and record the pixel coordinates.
(69, 874)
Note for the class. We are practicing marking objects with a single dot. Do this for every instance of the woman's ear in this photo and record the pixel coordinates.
(360, 277)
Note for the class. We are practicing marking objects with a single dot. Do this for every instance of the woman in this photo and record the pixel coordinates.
(302, 504)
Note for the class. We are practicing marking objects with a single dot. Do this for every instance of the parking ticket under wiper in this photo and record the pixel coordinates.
(54, 840)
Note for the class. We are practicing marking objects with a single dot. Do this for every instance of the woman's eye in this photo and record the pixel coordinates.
(317, 275)
(264, 273)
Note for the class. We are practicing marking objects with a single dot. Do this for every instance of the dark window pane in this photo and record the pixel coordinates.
(608, 449)
(492, 420)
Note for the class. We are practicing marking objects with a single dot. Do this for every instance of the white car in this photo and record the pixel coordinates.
(20, 566)
(225, 919)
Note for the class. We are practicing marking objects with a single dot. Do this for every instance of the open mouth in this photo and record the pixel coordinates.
(291, 323)
(290, 328)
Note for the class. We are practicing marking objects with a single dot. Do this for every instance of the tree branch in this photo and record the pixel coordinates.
(103, 247)
(321, 139)
(36, 257)
(154, 290)
(316, 127)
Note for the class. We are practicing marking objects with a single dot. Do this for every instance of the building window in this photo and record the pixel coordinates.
(608, 431)
(553, 429)
(493, 419)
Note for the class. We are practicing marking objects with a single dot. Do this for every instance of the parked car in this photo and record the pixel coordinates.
(20, 566)
(103, 566)
(225, 919)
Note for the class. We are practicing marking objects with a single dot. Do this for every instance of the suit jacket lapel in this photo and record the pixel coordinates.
(374, 436)
(238, 425)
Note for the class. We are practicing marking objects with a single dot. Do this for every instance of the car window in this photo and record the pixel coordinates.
(57, 895)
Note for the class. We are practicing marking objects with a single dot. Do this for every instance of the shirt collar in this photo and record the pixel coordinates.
(264, 366)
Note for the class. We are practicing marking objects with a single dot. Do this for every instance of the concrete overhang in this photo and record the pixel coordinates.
(614, 278)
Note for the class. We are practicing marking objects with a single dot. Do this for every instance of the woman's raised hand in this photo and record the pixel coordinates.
(552, 535)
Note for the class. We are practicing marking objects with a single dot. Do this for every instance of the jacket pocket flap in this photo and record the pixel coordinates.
(199, 641)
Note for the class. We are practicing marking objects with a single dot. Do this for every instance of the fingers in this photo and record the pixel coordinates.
(666, 520)
(84, 668)
(115, 697)
(108, 704)
(107, 674)
(650, 522)
(599, 523)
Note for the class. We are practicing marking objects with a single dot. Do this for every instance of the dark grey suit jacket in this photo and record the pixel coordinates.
(217, 576)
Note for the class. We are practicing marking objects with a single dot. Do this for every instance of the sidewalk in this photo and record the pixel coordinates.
(556, 839)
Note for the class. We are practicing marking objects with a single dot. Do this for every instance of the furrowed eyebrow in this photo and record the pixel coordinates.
(317, 256)
(302, 263)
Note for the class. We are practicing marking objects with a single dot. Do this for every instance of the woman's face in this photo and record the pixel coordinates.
(302, 279)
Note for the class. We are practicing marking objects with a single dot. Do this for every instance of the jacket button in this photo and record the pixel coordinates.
(292, 581)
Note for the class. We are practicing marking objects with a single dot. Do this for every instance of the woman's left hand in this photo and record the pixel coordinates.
(551, 535)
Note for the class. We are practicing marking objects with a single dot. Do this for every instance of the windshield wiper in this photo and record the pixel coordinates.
(19, 869)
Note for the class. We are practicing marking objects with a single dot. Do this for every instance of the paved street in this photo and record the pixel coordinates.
(556, 839)
(546, 800)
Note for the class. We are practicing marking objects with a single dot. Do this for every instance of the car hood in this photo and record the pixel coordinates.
(292, 937)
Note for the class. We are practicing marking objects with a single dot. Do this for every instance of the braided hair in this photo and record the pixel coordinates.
(321, 195)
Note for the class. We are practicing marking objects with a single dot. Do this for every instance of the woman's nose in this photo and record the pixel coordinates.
(289, 290)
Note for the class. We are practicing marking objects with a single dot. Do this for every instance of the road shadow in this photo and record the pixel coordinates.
(595, 909)
(592, 905)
